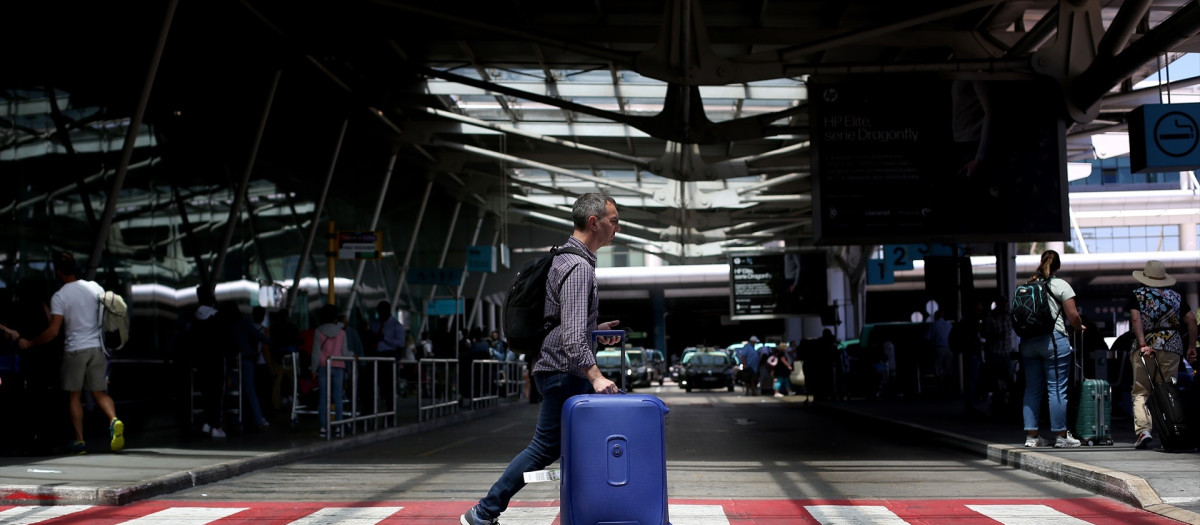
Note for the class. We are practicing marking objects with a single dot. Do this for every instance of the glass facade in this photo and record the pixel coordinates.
(1118, 239)
(1114, 174)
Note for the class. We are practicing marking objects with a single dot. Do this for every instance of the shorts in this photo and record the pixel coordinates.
(85, 370)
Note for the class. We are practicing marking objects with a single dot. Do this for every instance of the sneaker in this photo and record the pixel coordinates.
(1143, 440)
(217, 433)
(1066, 442)
(116, 434)
(1035, 441)
(79, 448)
(206, 429)
(470, 518)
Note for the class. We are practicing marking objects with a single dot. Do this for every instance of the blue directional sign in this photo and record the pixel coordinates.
(1164, 137)
(444, 307)
(878, 272)
(446, 276)
(481, 259)
(900, 256)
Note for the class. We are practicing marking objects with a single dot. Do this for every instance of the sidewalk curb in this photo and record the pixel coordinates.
(1123, 487)
(166, 484)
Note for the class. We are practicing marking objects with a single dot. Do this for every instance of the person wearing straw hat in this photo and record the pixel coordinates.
(1158, 316)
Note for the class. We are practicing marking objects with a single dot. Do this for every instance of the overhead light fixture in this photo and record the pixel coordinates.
(1078, 171)
(1109, 145)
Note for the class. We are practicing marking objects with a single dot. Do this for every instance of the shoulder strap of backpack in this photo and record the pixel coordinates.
(100, 316)
(570, 250)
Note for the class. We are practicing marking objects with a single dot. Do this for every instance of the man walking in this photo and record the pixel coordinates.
(567, 364)
(75, 309)
(748, 355)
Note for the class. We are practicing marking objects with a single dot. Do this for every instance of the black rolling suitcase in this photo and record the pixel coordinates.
(1166, 409)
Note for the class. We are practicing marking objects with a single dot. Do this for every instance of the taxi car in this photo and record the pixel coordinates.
(707, 370)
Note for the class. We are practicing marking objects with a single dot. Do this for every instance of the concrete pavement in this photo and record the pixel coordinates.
(1167, 484)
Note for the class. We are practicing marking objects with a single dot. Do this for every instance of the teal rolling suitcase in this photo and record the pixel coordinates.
(1093, 420)
(1093, 423)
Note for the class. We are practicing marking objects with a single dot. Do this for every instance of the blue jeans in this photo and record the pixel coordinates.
(544, 449)
(1046, 370)
(250, 394)
(336, 397)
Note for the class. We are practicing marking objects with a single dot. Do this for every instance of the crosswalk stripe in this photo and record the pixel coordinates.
(529, 515)
(1026, 515)
(854, 515)
(680, 515)
(31, 515)
(697, 515)
(185, 516)
(347, 516)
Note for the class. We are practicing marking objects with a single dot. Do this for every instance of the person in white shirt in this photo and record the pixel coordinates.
(75, 310)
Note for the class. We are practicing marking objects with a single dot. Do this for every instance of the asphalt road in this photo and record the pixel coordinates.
(719, 445)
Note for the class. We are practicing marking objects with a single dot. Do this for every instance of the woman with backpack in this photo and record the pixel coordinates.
(1046, 358)
(329, 340)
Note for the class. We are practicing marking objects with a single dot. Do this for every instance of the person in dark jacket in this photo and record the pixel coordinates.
(248, 338)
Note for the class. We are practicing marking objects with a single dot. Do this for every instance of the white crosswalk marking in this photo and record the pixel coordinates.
(529, 515)
(31, 515)
(680, 515)
(854, 515)
(184, 516)
(347, 516)
(1026, 515)
(697, 515)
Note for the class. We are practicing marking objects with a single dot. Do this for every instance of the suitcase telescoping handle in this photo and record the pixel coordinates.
(1155, 373)
(614, 333)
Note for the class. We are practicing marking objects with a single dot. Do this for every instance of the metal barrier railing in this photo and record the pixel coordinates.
(495, 381)
(514, 380)
(379, 416)
(437, 388)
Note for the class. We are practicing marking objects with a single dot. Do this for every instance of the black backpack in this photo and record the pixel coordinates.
(1030, 310)
(525, 321)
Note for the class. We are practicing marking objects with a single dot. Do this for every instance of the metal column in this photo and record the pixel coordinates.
(482, 280)
(358, 272)
(135, 123)
(412, 243)
(239, 197)
(658, 309)
(312, 230)
(1006, 272)
(474, 239)
(442, 260)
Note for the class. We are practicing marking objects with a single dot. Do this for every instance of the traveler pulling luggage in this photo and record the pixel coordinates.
(1166, 409)
(1093, 420)
(614, 459)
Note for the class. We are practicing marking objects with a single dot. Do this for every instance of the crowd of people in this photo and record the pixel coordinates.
(976, 357)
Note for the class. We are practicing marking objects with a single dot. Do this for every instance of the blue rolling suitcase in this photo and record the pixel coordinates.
(614, 460)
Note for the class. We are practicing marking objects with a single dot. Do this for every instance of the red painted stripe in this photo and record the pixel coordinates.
(1098, 511)
(25, 496)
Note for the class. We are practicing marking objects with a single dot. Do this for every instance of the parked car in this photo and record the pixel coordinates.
(658, 366)
(641, 367)
(611, 367)
(676, 369)
(708, 370)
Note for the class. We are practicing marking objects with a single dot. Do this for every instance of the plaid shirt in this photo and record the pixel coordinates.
(571, 293)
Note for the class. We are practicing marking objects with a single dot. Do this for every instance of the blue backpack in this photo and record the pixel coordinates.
(1030, 310)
